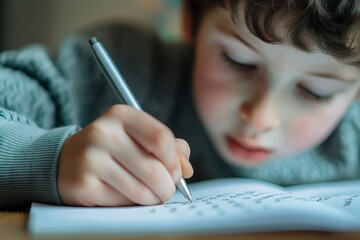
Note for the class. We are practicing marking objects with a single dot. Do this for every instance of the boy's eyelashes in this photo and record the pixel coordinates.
(238, 65)
(312, 95)
(306, 92)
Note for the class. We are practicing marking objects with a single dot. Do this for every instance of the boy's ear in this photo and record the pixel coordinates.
(186, 26)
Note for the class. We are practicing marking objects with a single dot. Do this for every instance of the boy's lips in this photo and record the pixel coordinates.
(247, 149)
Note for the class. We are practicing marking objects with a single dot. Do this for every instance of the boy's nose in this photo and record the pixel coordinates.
(260, 114)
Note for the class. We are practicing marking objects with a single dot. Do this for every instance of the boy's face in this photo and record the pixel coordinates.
(260, 101)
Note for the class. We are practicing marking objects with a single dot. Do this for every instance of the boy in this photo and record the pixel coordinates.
(262, 81)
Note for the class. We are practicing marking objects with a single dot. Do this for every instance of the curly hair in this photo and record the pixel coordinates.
(331, 25)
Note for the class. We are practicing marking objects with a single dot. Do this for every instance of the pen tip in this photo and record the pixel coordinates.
(182, 187)
(189, 198)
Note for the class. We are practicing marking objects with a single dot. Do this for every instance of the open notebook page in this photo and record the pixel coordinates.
(219, 206)
(344, 195)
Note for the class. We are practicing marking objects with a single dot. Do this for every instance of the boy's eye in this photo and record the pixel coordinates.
(238, 65)
(314, 96)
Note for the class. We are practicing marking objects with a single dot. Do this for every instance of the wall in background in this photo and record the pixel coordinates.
(48, 21)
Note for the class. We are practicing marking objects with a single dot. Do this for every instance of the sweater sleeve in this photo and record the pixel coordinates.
(35, 120)
(28, 161)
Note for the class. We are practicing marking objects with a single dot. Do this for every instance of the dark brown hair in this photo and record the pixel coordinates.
(331, 25)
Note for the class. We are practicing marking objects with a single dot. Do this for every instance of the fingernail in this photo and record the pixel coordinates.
(176, 175)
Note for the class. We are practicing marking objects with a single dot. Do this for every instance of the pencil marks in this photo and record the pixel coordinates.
(224, 204)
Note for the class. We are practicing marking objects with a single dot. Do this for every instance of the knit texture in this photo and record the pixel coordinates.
(34, 102)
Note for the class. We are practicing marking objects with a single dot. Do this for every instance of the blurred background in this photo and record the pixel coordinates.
(48, 21)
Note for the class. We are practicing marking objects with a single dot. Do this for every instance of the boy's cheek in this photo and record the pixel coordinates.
(303, 135)
(215, 89)
(211, 96)
(307, 132)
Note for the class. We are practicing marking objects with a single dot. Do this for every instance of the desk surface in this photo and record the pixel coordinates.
(13, 227)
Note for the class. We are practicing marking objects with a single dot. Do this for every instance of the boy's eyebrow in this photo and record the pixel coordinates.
(333, 76)
(226, 30)
(238, 37)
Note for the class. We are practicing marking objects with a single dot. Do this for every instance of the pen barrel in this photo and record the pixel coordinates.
(114, 76)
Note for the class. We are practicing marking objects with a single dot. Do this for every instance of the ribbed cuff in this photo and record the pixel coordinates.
(28, 164)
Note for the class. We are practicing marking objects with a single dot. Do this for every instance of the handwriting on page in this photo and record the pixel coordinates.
(228, 204)
(347, 200)
(350, 199)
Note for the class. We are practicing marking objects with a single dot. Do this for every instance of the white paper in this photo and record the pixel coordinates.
(219, 206)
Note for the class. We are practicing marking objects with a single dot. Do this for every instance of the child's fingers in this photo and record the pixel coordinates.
(152, 135)
(125, 183)
(146, 168)
(183, 147)
(111, 197)
(183, 150)
(141, 164)
(187, 169)
(154, 175)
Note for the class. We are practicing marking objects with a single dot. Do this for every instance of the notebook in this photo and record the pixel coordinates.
(219, 206)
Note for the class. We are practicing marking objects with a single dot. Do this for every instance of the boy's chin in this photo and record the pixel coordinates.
(238, 161)
(248, 163)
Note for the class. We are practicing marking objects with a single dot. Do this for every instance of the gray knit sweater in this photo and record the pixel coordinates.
(44, 100)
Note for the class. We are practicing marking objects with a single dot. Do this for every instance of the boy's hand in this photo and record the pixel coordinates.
(124, 157)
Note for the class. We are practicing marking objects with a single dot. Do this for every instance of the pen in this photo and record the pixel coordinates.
(123, 92)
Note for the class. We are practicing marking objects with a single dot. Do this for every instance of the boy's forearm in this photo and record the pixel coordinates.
(28, 163)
